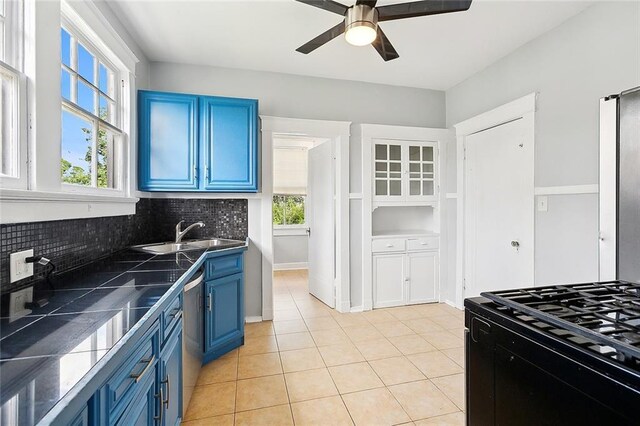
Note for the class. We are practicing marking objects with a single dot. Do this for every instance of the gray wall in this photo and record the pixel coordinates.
(290, 249)
(594, 54)
(285, 95)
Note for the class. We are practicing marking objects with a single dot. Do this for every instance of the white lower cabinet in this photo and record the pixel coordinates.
(389, 280)
(405, 278)
(422, 277)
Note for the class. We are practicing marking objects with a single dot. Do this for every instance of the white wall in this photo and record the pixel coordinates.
(594, 54)
(285, 95)
(290, 251)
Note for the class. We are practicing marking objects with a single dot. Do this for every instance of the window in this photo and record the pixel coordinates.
(12, 99)
(288, 210)
(91, 115)
(289, 183)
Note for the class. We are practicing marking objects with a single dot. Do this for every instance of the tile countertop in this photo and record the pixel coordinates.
(46, 352)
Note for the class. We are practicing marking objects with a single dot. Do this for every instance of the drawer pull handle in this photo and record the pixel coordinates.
(166, 401)
(159, 416)
(177, 313)
(424, 244)
(149, 362)
(389, 245)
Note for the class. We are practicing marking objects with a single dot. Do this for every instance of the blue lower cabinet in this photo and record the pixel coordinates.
(144, 410)
(224, 315)
(171, 379)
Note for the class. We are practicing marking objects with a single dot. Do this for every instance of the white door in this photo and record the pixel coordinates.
(423, 277)
(321, 222)
(388, 280)
(499, 208)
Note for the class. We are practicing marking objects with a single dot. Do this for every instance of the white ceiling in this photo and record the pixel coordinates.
(436, 52)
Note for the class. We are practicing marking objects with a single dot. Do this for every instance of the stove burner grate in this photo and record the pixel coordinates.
(606, 313)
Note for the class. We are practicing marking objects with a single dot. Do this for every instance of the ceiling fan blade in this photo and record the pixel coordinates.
(384, 47)
(322, 39)
(329, 5)
(370, 3)
(421, 8)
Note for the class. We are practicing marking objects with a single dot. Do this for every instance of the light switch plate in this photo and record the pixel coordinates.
(18, 268)
(543, 203)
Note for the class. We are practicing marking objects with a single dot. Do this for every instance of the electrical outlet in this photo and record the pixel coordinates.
(543, 203)
(19, 269)
(18, 300)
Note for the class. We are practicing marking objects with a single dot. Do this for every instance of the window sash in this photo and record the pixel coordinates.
(284, 216)
(115, 98)
(115, 152)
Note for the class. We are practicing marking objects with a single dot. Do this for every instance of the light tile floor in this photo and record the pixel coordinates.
(313, 365)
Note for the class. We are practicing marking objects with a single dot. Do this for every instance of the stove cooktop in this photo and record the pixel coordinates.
(602, 317)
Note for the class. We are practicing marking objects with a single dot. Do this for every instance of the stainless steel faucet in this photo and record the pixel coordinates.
(180, 234)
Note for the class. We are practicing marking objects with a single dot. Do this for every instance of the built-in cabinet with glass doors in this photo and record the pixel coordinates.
(404, 171)
(405, 222)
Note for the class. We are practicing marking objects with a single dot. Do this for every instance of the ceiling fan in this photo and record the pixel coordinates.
(360, 23)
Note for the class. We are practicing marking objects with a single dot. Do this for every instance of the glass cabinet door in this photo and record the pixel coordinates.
(422, 177)
(388, 170)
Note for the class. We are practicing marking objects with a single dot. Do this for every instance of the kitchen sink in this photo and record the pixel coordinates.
(171, 247)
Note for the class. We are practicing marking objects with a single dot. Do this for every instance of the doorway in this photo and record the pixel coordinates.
(304, 211)
(336, 135)
(496, 200)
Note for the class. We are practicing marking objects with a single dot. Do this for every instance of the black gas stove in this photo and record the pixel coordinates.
(556, 355)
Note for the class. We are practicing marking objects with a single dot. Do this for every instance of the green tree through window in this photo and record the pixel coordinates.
(288, 210)
(77, 175)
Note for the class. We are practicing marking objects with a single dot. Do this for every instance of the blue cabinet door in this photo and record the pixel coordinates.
(168, 141)
(142, 411)
(229, 144)
(171, 379)
(224, 315)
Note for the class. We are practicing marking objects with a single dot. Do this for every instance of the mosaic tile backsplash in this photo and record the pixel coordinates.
(71, 243)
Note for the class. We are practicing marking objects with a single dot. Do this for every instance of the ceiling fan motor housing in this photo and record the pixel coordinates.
(361, 15)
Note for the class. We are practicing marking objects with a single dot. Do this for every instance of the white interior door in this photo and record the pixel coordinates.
(499, 208)
(321, 221)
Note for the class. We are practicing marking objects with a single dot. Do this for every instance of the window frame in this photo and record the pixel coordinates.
(296, 225)
(118, 170)
(11, 63)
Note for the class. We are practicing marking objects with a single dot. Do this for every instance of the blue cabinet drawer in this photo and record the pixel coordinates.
(170, 317)
(126, 383)
(223, 266)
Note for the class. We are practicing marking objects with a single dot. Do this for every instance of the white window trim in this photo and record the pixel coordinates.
(21, 180)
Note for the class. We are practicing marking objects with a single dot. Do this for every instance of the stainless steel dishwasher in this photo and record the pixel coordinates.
(192, 337)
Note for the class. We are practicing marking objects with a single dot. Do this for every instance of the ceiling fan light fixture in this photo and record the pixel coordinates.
(361, 35)
(361, 25)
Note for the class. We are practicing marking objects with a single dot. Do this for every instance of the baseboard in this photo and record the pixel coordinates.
(253, 319)
(344, 306)
(267, 315)
(356, 309)
(452, 304)
(290, 266)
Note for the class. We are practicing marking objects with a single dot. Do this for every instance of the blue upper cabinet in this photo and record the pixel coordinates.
(168, 142)
(197, 143)
(229, 144)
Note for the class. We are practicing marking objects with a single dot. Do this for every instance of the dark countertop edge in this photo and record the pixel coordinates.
(70, 405)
